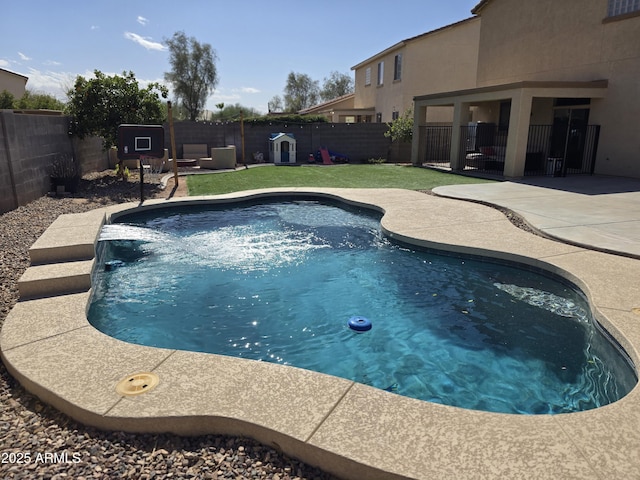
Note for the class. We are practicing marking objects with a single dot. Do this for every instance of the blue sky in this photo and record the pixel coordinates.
(257, 43)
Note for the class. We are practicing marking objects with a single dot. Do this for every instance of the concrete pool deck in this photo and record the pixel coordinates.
(348, 429)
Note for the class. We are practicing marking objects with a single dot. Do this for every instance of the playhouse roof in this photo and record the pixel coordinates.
(277, 136)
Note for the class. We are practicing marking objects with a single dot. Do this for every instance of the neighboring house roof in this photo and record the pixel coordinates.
(402, 43)
(321, 107)
(14, 73)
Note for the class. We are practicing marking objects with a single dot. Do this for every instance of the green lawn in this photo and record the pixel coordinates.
(341, 176)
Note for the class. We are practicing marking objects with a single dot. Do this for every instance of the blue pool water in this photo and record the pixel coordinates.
(278, 282)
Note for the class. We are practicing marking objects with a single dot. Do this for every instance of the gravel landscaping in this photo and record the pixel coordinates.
(38, 442)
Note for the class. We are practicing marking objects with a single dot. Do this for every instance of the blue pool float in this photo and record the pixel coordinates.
(359, 324)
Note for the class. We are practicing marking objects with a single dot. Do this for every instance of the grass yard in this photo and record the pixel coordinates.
(338, 176)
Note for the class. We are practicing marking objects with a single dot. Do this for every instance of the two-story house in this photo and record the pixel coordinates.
(557, 90)
(14, 83)
(436, 61)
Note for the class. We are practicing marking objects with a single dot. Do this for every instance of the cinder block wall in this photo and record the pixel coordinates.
(28, 145)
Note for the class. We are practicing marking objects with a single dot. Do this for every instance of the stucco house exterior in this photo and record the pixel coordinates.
(436, 61)
(557, 83)
(339, 110)
(14, 83)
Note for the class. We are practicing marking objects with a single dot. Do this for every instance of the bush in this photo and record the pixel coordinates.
(290, 119)
(64, 166)
(6, 99)
(376, 161)
(401, 129)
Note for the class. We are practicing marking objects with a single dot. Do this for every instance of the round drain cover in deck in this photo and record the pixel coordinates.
(137, 383)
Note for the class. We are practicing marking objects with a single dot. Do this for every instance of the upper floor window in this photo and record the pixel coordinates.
(397, 66)
(380, 73)
(620, 7)
(395, 115)
(367, 76)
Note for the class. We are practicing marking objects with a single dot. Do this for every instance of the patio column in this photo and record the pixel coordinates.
(417, 140)
(518, 134)
(460, 115)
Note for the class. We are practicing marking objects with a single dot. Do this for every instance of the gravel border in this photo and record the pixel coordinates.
(39, 442)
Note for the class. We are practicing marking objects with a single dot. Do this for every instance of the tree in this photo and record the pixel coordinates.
(6, 99)
(36, 101)
(275, 104)
(233, 112)
(401, 129)
(99, 105)
(194, 75)
(300, 92)
(337, 85)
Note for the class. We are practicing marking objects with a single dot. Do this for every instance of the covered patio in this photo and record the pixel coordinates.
(511, 130)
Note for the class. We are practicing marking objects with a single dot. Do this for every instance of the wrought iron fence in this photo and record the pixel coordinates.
(436, 145)
(555, 150)
(482, 148)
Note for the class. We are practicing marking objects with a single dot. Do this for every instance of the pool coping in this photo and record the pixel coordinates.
(345, 428)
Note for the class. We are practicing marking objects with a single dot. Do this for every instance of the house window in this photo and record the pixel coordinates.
(620, 7)
(380, 73)
(397, 66)
(367, 76)
(378, 118)
(395, 115)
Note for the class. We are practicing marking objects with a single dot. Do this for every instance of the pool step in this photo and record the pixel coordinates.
(55, 279)
(70, 237)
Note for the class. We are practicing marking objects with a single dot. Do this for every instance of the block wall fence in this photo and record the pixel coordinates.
(29, 142)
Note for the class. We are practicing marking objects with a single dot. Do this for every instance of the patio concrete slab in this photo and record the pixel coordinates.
(594, 211)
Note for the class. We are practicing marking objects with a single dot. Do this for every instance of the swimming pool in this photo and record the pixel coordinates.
(278, 282)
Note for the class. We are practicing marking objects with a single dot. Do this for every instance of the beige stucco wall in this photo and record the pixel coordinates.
(13, 83)
(438, 61)
(571, 40)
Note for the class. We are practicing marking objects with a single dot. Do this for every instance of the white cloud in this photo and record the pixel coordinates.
(220, 96)
(249, 90)
(144, 42)
(3, 63)
(24, 57)
(52, 63)
(95, 27)
(53, 83)
(141, 20)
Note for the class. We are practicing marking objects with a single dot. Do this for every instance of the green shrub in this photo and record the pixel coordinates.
(376, 161)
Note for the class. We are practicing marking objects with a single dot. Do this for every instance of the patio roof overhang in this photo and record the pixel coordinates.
(521, 95)
(550, 89)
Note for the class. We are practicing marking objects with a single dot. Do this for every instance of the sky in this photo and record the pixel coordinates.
(257, 43)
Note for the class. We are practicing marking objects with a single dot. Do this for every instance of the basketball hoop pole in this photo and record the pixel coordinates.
(141, 178)
(173, 145)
